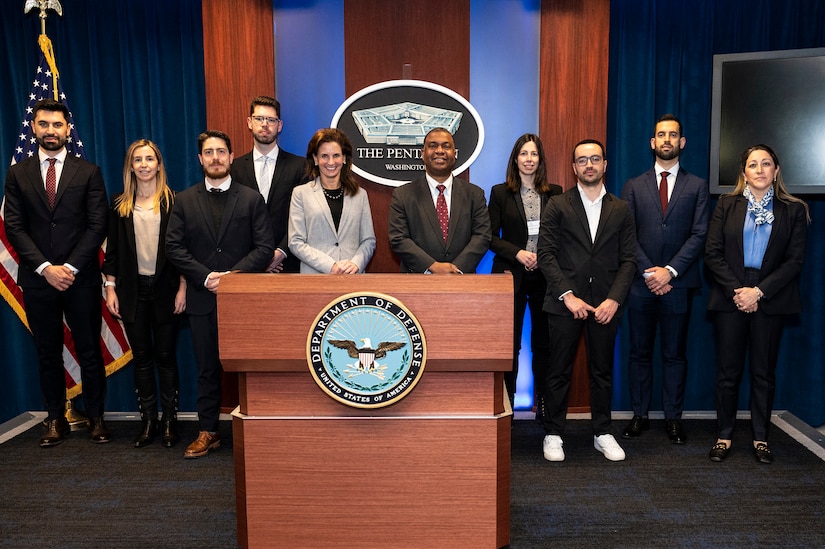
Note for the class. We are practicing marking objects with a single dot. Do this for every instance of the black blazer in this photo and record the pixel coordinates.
(243, 243)
(569, 261)
(415, 235)
(121, 263)
(71, 233)
(288, 174)
(509, 225)
(779, 275)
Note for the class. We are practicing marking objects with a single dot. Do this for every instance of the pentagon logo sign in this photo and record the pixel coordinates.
(366, 350)
(387, 123)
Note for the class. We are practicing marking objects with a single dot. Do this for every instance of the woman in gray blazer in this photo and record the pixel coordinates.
(330, 222)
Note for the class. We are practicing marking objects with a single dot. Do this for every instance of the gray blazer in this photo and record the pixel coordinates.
(415, 235)
(312, 235)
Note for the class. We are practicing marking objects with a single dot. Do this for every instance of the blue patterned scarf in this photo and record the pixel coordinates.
(759, 209)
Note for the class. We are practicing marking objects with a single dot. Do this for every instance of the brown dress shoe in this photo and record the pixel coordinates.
(98, 432)
(56, 431)
(206, 441)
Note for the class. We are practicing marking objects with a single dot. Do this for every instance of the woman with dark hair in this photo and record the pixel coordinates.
(515, 210)
(330, 222)
(145, 290)
(754, 250)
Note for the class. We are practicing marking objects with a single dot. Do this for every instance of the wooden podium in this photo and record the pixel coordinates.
(431, 470)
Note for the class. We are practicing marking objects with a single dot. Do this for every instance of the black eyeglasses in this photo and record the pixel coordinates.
(595, 160)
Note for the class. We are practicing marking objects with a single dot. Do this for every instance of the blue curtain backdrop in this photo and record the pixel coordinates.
(661, 60)
(129, 70)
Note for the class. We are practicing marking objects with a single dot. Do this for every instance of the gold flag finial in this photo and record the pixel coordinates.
(43, 40)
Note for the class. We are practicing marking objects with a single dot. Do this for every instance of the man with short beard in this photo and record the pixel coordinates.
(215, 228)
(56, 216)
(586, 252)
(670, 208)
(273, 172)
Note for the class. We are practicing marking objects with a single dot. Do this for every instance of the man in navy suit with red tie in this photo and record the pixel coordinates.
(56, 215)
(670, 208)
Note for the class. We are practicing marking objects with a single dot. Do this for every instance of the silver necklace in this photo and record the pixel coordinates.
(333, 195)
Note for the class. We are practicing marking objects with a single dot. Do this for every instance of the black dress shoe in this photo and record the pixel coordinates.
(636, 426)
(148, 433)
(675, 432)
(56, 431)
(719, 452)
(763, 453)
(97, 430)
(170, 432)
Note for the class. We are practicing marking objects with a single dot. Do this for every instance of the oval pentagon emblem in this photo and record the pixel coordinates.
(387, 123)
(366, 350)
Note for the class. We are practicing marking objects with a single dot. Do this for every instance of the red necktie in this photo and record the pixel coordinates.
(663, 191)
(441, 210)
(51, 183)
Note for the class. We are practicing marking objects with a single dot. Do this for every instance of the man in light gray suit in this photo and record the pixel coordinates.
(438, 223)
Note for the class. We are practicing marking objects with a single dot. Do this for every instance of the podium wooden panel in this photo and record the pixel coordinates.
(431, 470)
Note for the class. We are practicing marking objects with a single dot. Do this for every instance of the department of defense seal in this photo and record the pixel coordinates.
(366, 350)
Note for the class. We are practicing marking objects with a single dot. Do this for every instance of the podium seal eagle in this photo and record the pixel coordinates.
(366, 350)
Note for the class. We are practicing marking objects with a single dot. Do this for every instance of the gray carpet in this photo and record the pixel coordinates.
(81, 495)
(85, 495)
(665, 495)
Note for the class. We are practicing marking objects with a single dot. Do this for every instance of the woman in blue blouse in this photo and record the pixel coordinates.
(755, 249)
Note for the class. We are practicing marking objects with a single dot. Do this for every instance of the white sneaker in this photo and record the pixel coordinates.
(607, 445)
(552, 448)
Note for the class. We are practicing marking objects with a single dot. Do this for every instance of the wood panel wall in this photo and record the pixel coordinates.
(573, 83)
(417, 39)
(238, 62)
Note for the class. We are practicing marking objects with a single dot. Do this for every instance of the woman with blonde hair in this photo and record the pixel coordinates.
(145, 290)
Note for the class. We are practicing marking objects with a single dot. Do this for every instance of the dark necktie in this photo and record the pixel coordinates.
(51, 183)
(217, 204)
(663, 191)
(441, 210)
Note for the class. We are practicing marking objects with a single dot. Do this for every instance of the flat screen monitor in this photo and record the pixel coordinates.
(776, 98)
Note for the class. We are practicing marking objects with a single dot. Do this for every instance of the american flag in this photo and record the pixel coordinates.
(116, 352)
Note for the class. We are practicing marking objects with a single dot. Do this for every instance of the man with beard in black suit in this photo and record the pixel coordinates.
(215, 227)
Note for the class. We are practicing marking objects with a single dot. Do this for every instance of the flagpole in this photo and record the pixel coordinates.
(76, 419)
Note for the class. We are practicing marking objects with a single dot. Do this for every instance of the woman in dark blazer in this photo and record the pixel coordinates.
(515, 210)
(143, 289)
(754, 250)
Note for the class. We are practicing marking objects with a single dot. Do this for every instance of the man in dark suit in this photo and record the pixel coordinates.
(215, 227)
(586, 251)
(670, 208)
(273, 172)
(56, 214)
(438, 223)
